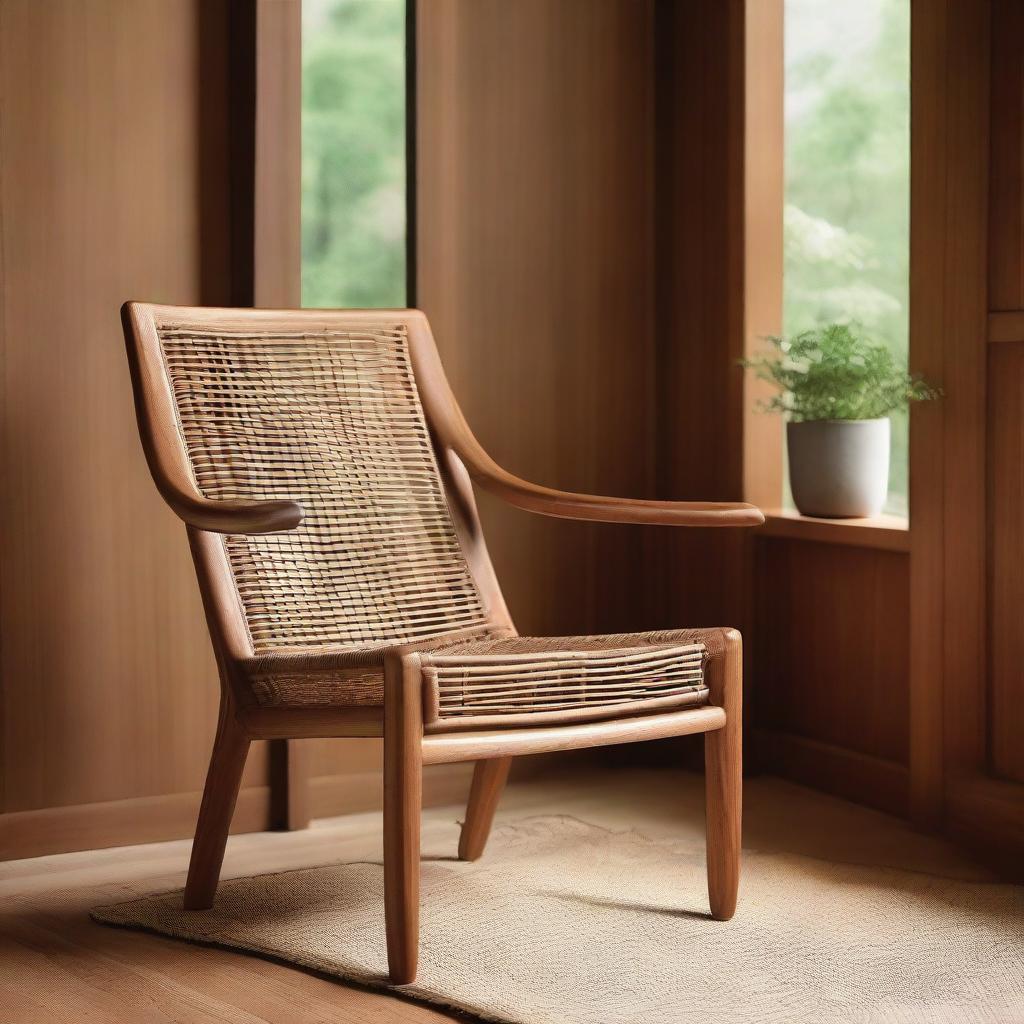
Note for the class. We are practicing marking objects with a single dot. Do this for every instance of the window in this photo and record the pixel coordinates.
(847, 182)
(353, 153)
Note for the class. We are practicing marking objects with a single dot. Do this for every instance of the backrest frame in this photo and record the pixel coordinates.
(170, 466)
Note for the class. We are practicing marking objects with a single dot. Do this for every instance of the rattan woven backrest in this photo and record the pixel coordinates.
(329, 418)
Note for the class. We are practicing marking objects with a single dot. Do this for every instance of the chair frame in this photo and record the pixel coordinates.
(407, 745)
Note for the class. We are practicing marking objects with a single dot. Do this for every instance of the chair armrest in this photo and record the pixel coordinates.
(243, 517)
(454, 439)
(484, 471)
(164, 449)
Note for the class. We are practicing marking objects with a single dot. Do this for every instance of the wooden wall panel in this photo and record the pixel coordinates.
(1005, 711)
(831, 651)
(1006, 557)
(113, 186)
(1005, 703)
(967, 331)
(1006, 173)
(700, 308)
(949, 248)
(535, 265)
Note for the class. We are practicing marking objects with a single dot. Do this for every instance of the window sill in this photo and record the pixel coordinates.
(884, 533)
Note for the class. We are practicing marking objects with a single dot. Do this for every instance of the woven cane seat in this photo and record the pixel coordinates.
(493, 679)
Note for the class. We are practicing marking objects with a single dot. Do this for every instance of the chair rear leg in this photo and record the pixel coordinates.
(489, 778)
(223, 778)
(723, 782)
(403, 801)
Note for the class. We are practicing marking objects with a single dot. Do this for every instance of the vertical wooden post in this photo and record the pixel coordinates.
(403, 802)
(723, 782)
(949, 149)
(763, 163)
(269, 217)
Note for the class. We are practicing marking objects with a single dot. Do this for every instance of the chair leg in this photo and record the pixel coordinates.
(223, 778)
(403, 800)
(489, 778)
(723, 783)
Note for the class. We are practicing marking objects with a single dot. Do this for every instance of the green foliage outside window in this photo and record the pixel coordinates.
(848, 179)
(353, 153)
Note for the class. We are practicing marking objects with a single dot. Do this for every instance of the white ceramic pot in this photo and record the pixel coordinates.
(839, 468)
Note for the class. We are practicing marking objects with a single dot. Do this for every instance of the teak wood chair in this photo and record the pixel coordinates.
(323, 471)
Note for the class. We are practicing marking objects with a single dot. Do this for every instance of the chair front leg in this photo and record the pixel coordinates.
(223, 778)
(403, 800)
(723, 767)
(489, 778)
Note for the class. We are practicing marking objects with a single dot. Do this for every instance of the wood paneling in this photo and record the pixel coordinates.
(700, 224)
(831, 649)
(1006, 556)
(114, 185)
(277, 167)
(1005, 696)
(948, 311)
(1006, 176)
(173, 815)
(535, 266)
(702, 310)
(862, 778)
(989, 808)
(967, 290)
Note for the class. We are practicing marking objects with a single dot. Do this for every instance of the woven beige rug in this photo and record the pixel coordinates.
(565, 923)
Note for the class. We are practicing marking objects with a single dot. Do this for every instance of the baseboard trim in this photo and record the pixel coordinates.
(156, 819)
(873, 781)
(987, 816)
(149, 819)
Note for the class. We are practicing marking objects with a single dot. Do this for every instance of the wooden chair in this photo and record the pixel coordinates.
(323, 471)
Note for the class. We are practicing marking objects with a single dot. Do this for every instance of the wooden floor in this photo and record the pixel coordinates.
(56, 965)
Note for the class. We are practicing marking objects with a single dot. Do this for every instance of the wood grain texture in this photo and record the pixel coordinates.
(1006, 174)
(881, 533)
(113, 182)
(472, 746)
(1006, 325)
(1006, 555)
(764, 202)
(701, 304)
(489, 778)
(928, 183)
(223, 778)
(403, 805)
(277, 162)
(723, 782)
(534, 256)
(831, 647)
(949, 248)
(55, 830)
(863, 778)
(122, 172)
(983, 810)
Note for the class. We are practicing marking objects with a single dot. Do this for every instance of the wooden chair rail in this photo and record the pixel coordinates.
(444, 748)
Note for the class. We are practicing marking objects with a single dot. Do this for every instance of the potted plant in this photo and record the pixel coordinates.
(837, 389)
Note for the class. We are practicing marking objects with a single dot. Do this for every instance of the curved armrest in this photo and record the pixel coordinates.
(164, 449)
(566, 505)
(452, 434)
(248, 517)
